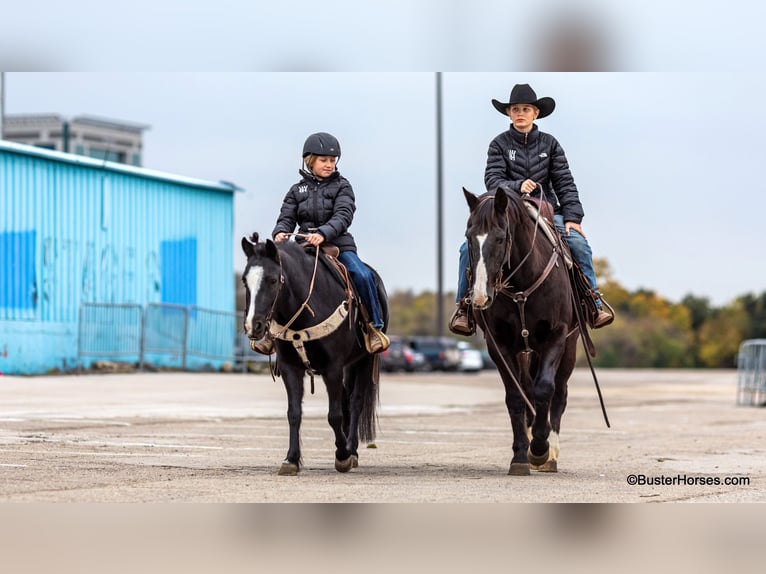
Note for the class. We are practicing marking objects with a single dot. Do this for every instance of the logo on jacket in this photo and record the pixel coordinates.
(303, 189)
(543, 155)
(512, 154)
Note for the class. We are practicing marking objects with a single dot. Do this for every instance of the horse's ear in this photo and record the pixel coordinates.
(501, 201)
(271, 250)
(472, 200)
(248, 247)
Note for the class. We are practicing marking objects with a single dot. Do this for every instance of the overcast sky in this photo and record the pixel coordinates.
(667, 164)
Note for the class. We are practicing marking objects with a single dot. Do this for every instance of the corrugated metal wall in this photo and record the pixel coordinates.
(76, 230)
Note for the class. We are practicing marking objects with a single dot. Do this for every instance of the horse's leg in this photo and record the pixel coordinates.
(517, 410)
(293, 380)
(333, 380)
(559, 404)
(348, 389)
(544, 389)
(351, 412)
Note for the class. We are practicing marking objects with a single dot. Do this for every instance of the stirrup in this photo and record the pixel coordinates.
(604, 317)
(375, 340)
(462, 322)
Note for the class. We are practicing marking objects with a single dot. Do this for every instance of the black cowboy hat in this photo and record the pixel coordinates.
(524, 94)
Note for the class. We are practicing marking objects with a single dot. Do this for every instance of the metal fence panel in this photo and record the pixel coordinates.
(751, 373)
(211, 334)
(164, 335)
(165, 328)
(107, 331)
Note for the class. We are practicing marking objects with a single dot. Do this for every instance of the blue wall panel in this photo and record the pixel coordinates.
(17, 269)
(179, 271)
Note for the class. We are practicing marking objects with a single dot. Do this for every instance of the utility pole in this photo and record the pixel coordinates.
(439, 212)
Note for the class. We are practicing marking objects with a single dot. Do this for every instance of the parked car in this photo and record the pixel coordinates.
(401, 357)
(471, 360)
(441, 353)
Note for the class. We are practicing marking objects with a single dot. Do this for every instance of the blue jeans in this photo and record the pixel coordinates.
(578, 245)
(580, 249)
(364, 281)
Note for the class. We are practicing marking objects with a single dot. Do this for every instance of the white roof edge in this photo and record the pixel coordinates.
(113, 166)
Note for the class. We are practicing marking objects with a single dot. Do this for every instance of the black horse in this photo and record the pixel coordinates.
(522, 299)
(322, 337)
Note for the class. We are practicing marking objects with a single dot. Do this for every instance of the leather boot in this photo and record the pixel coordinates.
(604, 317)
(461, 322)
(375, 340)
(264, 346)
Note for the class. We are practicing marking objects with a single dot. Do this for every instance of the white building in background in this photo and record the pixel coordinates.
(99, 138)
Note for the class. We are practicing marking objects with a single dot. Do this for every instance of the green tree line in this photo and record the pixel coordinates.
(648, 332)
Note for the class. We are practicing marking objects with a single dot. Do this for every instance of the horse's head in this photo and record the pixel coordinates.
(262, 278)
(489, 243)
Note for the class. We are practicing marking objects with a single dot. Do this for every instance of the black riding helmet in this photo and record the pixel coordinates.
(321, 144)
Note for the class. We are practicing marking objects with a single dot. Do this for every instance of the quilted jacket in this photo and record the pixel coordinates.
(514, 157)
(326, 205)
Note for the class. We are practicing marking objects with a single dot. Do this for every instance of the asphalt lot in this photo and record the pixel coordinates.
(170, 437)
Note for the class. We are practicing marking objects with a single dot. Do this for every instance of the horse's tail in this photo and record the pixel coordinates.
(367, 379)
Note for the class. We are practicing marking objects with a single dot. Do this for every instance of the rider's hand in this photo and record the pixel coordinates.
(528, 186)
(280, 237)
(315, 239)
(576, 226)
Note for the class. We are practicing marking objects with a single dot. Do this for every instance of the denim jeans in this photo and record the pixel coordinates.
(580, 249)
(364, 281)
(578, 245)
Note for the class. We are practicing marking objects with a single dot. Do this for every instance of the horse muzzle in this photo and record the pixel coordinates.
(257, 329)
(481, 301)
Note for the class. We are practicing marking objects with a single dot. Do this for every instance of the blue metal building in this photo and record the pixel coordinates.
(75, 230)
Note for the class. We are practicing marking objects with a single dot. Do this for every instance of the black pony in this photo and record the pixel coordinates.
(304, 304)
(522, 299)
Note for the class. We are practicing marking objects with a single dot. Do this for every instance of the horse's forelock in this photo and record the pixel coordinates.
(484, 215)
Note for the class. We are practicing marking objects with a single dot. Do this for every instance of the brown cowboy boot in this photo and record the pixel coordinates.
(375, 340)
(604, 317)
(461, 322)
(264, 346)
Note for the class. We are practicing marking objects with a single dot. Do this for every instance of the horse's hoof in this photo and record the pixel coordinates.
(548, 466)
(288, 469)
(354, 461)
(538, 460)
(345, 465)
(519, 469)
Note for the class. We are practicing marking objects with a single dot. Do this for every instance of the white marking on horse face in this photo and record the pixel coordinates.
(480, 283)
(253, 280)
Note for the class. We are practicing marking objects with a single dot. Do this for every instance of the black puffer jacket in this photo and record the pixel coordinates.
(327, 205)
(514, 157)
